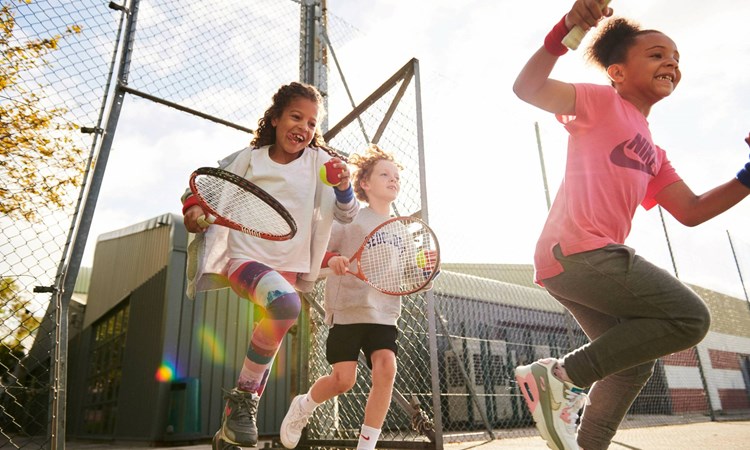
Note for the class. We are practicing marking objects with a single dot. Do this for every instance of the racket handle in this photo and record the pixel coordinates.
(574, 37)
(204, 221)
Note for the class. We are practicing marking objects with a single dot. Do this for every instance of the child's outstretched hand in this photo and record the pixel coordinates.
(587, 13)
(339, 264)
(747, 139)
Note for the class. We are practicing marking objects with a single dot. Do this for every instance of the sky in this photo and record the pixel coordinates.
(484, 182)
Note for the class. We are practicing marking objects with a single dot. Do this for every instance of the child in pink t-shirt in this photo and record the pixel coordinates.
(632, 311)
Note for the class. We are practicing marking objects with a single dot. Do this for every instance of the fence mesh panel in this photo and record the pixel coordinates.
(56, 58)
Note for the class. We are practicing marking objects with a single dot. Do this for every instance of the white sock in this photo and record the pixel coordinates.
(308, 405)
(368, 437)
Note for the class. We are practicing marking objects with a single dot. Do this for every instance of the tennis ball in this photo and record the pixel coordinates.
(329, 175)
(421, 259)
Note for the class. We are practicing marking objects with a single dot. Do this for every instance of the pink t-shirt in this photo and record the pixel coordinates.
(612, 167)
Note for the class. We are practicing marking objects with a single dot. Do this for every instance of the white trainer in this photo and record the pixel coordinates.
(293, 423)
(553, 403)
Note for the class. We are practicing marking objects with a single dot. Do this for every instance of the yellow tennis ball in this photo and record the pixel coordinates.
(421, 259)
(329, 175)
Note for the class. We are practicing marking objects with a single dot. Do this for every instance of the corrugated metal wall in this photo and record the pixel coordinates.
(78, 351)
(124, 260)
(141, 398)
(141, 407)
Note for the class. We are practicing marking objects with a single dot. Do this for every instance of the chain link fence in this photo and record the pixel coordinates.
(55, 69)
(222, 62)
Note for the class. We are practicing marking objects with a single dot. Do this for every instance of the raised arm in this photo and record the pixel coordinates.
(533, 85)
(691, 210)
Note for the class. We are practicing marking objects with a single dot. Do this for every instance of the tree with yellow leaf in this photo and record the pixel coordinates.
(39, 160)
(17, 322)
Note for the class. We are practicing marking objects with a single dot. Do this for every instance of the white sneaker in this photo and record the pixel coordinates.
(293, 423)
(553, 403)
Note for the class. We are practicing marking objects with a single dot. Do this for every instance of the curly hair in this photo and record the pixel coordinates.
(612, 42)
(365, 163)
(266, 132)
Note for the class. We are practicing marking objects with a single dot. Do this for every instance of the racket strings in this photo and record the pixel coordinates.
(397, 257)
(240, 206)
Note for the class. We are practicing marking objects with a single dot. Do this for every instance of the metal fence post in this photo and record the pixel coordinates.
(81, 236)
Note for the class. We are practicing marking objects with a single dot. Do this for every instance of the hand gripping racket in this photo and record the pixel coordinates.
(234, 202)
(574, 37)
(399, 257)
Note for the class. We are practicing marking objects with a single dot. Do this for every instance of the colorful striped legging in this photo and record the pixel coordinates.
(274, 292)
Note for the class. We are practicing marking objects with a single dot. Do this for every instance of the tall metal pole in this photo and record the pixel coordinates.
(429, 295)
(313, 56)
(312, 70)
(669, 244)
(739, 270)
(698, 358)
(541, 163)
(57, 440)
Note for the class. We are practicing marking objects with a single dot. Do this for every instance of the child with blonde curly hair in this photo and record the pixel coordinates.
(361, 318)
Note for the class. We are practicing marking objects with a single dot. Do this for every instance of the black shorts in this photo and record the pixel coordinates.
(345, 341)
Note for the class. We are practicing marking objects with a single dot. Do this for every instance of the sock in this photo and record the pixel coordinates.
(368, 437)
(307, 404)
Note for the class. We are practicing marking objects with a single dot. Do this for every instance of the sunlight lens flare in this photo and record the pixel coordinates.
(166, 372)
(211, 346)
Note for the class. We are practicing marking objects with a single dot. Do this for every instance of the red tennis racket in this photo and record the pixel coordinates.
(234, 202)
(399, 257)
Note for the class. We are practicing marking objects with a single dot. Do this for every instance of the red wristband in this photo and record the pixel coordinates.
(553, 41)
(190, 201)
(327, 257)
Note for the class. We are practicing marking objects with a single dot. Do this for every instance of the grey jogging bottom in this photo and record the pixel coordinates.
(633, 312)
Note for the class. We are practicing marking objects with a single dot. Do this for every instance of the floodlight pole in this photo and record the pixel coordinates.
(313, 62)
(739, 270)
(541, 163)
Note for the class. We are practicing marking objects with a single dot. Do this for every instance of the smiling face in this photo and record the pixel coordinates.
(650, 71)
(295, 129)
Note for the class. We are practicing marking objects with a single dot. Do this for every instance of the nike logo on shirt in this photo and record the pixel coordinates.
(639, 147)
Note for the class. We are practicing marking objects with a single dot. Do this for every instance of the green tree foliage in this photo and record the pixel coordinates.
(39, 161)
(17, 322)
